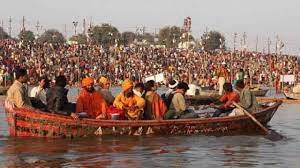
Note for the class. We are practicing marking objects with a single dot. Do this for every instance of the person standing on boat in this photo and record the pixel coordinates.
(38, 93)
(155, 106)
(90, 101)
(247, 100)
(57, 100)
(127, 101)
(226, 100)
(104, 90)
(177, 108)
(223, 75)
(18, 93)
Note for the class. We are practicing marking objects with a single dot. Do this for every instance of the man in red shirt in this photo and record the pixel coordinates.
(226, 100)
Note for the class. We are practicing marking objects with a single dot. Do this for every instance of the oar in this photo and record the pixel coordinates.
(271, 135)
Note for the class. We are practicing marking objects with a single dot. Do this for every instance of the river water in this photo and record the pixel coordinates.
(162, 151)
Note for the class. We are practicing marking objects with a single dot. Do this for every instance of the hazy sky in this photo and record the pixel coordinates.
(262, 18)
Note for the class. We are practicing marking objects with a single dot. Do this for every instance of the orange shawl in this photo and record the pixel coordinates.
(91, 103)
(158, 106)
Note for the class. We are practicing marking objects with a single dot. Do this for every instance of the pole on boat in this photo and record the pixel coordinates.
(251, 116)
(271, 135)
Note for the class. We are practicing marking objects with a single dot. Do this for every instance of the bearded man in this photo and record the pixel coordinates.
(130, 103)
(90, 101)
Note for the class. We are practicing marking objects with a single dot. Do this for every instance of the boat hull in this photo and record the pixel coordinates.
(34, 123)
(205, 97)
(290, 95)
(260, 93)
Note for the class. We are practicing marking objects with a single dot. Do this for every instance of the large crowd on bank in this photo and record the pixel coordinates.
(76, 62)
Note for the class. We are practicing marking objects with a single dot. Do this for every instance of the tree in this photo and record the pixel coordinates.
(146, 37)
(213, 40)
(3, 34)
(127, 37)
(169, 36)
(26, 36)
(51, 36)
(79, 38)
(105, 34)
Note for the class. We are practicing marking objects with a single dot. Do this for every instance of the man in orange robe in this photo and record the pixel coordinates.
(132, 104)
(155, 106)
(90, 101)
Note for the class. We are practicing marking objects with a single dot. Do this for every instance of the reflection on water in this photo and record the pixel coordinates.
(180, 151)
(164, 151)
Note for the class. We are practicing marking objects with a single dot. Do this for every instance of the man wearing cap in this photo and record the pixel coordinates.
(171, 87)
(104, 90)
(132, 104)
(178, 108)
(90, 101)
(222, 77)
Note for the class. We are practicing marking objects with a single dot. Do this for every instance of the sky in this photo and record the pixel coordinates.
(260, 19)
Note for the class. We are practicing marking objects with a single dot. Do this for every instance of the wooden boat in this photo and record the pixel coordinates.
(205, 97)
(209, 96)
(284, 100)
(205, 88)
(34, 123)
(291, 95)
(260, 92)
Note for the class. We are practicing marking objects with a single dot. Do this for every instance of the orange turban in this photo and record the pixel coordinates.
(87, 81)
(127, 84)
(103, 80)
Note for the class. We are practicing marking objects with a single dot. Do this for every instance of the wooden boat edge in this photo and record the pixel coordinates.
(49, 116)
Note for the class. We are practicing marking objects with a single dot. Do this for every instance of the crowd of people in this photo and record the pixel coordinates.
(52, 67)
(76, 62)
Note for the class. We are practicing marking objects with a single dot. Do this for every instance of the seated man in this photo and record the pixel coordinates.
(171, 87)
(104, 90)
(139, 89)
(57, 100)
(177, 107)
(90, 101)
(18, 93)
(226, 100)
(127, 101)
(247, 99)
(155, 106)
(38, 93)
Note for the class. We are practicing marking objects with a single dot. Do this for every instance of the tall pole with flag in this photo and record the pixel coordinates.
(187, 25)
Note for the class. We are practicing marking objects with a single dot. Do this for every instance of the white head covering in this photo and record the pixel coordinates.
(174, 85)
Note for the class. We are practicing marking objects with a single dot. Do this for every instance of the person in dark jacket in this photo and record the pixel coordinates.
(57, 99)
